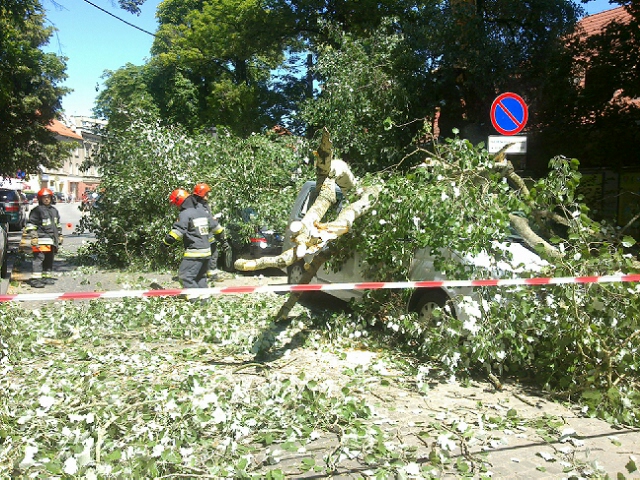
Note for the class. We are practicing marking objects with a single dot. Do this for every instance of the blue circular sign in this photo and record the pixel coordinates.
(509, 113)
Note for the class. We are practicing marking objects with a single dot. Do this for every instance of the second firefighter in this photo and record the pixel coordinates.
(197, 229)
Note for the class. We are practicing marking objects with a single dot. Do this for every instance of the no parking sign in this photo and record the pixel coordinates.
(509, 113)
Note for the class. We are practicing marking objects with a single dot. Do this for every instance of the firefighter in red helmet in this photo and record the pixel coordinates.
(200, 192)
(46, 237)
(196, 228)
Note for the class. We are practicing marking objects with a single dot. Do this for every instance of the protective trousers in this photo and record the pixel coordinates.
(42, 265)
(213, 261)
(193, 272)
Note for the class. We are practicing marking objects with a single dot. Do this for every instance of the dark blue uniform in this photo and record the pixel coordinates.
(197, 228)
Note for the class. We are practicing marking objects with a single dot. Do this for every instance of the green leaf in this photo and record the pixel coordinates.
(308, 463)
(462, 466)
(54, 467)
(275, 475)
(628, 241)
(290, 446)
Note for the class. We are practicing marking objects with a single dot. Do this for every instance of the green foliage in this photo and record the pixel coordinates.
(143, 165)
(127, 425)
(125, 95)
(580, 341)
(211, 65)
(133, 388)
(365, 102)
(377, 70)
(448, 205)
(436, 61)
(29, 90)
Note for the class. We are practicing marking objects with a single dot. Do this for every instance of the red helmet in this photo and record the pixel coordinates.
(178, 196)
(201, 189)
(45, 191)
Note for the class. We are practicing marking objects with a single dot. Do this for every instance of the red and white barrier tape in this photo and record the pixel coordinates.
(244, 289)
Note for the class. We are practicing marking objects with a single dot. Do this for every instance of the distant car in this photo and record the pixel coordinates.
(249, 240)
(59, 197)
(32, 197)
(4, 242)
(16, 207)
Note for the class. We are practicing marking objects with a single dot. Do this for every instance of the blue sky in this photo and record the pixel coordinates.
(94, 42)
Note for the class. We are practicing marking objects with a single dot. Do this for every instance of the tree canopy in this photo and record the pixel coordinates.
(30, 93)
(373, 72)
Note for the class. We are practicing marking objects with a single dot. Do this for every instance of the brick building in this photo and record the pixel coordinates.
(70, 178)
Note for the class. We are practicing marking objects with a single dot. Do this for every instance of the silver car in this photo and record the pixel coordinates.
(422, 301)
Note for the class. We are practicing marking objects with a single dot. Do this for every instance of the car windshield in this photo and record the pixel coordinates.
(7, 195)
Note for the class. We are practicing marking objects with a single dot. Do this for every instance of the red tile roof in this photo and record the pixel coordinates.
(596, 23)
(59, 129)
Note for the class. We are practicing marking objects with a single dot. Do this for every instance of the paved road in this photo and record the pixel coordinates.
(70, 215)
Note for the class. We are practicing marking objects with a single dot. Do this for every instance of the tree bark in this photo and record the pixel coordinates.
(521, 225)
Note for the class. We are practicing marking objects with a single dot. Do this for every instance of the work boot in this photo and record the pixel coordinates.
(213, 274)
(48, 280)
(37, 283)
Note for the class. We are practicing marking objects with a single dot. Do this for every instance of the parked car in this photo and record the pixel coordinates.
(59, 197)
(4, 242)
(249, 240)
(423, 301)
(16, 207)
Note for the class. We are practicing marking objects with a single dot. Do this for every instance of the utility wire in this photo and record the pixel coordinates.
(118, 18)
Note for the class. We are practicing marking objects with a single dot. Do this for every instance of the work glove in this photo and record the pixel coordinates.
(224, 245)
(34, 242)
(60, 240)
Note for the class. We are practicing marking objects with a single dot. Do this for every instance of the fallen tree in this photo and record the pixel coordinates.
(311, 235)
(578, 340)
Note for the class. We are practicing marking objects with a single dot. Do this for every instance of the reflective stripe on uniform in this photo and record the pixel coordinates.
(198, 253)
(175, 234)
(218, 230)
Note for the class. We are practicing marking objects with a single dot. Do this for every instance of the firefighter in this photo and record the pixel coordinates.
(46, 236)
(201, 192)
(196, 227)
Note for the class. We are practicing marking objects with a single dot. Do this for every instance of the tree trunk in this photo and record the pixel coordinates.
(310, 271)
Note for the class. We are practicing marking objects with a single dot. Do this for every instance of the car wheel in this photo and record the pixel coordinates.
(428, 302)
(229, 258)
(295, 273)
